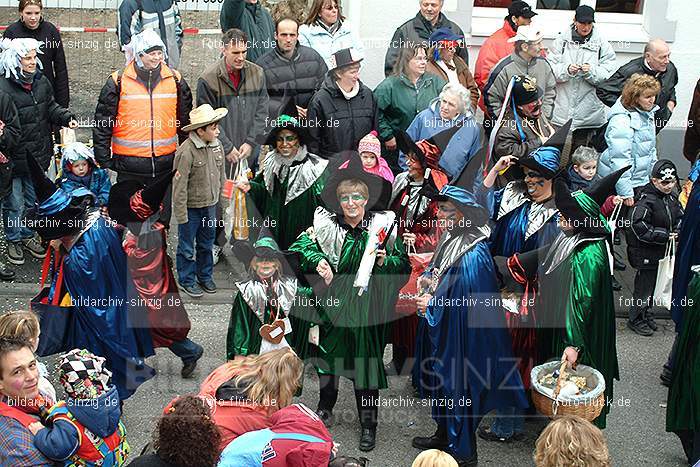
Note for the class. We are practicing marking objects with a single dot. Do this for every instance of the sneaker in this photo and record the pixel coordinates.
(193, 290)
(640, 327)
(15, 254)
(208, 286)
(215, 252)
(34, 247)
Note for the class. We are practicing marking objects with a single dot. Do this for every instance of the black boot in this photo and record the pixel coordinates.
(437, 441)
(368, 439)
(639, 326)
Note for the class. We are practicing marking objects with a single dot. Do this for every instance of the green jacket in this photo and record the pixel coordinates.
(254, 20)
(399, 101)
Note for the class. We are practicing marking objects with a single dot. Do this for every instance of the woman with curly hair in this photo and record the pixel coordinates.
(185, 435)
(247, 390)
(571, 441)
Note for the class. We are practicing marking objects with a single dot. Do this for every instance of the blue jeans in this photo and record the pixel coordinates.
(14, 206)
(200, 227)
(508, 422)
(186, 350)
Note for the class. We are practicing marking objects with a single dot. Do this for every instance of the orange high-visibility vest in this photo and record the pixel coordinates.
(146, 123)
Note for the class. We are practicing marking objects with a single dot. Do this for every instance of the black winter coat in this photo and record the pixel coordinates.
(53, 58)
(8, 140)
(611, 89)
(337, 124)
(654, 217)
(37, 110)
(299, 76)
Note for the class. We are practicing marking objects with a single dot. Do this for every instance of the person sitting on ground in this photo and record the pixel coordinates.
(86, 427)
(370, 149)
(185, 435)
(80, 170)
(24, 325)
(434, 458)
(571, 440)
(250, 389)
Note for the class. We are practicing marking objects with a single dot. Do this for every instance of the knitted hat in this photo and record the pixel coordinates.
(370, 143)
(83, 375)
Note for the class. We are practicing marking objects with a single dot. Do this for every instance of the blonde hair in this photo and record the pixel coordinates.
(434, 458)
(348, 186)
(20, 325)
(635, 86)
(270, 379)
(571, 441)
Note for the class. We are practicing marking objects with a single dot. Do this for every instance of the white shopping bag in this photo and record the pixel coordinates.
(664, 277)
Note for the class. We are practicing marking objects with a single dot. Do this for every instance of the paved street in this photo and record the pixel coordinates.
(635, 430)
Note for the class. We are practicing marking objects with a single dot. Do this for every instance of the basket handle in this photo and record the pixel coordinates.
(557, 388)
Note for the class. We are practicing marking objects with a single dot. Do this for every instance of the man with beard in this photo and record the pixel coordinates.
(462, 269)
(524, 127)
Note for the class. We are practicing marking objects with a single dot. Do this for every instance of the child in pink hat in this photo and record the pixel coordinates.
(370, 150)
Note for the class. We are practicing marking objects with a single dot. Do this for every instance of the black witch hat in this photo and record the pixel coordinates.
(266, 247)
(585, 217)
(119, 204)
(288, 119)
(546, 159)
(379, 189)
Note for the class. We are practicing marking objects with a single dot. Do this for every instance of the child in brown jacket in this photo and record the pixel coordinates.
(199, 178)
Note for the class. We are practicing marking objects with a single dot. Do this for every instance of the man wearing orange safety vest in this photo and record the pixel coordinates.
(140, 113)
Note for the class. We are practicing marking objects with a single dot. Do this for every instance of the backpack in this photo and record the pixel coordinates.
(253, 448)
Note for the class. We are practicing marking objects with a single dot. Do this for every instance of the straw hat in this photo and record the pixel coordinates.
(204, 115)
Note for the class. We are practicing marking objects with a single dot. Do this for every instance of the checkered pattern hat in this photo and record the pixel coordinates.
(83, 375)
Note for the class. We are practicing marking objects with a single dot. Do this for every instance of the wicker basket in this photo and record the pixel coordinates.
(587, 406)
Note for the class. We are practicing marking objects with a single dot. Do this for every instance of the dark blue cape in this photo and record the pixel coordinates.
(471, 347)
(96, 277)
(508, 235)
(687, 254)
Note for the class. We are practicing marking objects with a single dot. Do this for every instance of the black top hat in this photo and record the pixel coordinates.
(379, 189)
(119, 204)
(288, 119)
(525, 90)
(343, 58)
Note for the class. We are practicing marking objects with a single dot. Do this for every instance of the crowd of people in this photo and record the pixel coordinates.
(362, 218)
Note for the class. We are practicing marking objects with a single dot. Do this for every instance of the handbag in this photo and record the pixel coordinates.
(664, 276)
(406, 304)
(54, 308)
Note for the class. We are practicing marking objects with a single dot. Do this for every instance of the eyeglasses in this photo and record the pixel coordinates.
(420, 59)
(287, 139)
(356, 197)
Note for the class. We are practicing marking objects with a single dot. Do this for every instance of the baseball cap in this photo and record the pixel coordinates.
(519, 8)
(585, 14)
